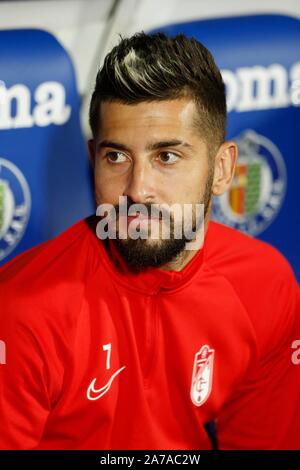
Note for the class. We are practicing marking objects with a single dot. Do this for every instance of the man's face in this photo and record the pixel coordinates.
(153, 154)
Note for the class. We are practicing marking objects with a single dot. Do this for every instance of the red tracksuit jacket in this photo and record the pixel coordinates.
(99, 358)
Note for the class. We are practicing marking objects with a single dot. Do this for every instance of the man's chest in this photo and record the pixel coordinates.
(154, 362)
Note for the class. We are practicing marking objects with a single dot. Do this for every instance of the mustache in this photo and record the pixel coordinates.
(153, 209)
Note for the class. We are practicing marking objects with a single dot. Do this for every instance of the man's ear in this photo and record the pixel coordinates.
(225, 162)
(92, 152)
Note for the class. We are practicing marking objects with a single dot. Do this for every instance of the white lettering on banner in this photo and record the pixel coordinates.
(295, 95)
(247, 89)
(49, 106)
(258, 87)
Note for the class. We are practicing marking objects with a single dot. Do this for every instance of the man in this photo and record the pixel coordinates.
(151, 342)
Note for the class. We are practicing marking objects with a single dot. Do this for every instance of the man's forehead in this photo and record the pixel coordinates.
(179, 112)
(166, 120)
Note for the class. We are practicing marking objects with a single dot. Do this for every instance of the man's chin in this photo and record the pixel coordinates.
(141, 254)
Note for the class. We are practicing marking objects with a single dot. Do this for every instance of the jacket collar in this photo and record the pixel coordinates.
(152, 280)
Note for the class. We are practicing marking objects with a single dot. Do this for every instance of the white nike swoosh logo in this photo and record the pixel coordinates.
(101, 391)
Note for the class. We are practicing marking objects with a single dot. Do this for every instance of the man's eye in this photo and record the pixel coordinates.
(116, 157)
(168, 158)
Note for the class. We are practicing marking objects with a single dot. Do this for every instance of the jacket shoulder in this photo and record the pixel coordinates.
(54, 258)
(261, 277)
(239, 255)
(52, 276)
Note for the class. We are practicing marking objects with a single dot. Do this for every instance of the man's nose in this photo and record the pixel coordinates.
(140, 184)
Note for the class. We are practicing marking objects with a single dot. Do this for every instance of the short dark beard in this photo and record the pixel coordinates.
(140, 256)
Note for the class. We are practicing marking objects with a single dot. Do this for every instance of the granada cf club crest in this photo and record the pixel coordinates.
(202, 375)
(14, 206)
(258, 187)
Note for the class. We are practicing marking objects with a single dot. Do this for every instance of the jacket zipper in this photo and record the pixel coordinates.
(153, 342)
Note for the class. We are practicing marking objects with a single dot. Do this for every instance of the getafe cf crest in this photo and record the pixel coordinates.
(15, 204)
(258, 188)
(202, 375)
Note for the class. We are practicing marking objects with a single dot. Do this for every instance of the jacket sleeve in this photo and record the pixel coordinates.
(264, 411)
(30, 375)
(24, 403)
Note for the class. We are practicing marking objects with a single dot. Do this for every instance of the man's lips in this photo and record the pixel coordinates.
(139, 219)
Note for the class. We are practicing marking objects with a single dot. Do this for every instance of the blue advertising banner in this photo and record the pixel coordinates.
(44, 174)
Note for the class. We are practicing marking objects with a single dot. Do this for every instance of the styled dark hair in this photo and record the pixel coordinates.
(155, 67)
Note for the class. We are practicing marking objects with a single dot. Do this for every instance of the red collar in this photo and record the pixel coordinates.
(152, 280)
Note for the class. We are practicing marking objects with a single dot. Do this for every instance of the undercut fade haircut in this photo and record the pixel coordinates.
(155, 67)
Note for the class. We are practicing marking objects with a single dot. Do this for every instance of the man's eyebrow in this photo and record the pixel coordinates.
(168, 143)
(110, 143)
(151, 146)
